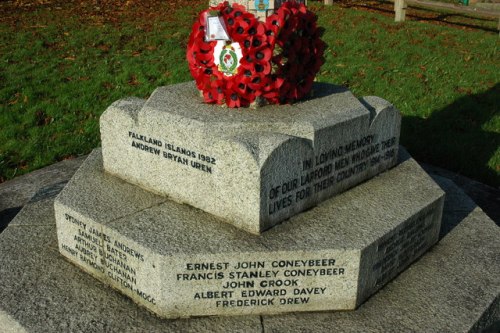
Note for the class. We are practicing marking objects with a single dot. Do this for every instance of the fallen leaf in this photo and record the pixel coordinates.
(104, 47)
(108, 85)
(42, 119)
(463, 90)
(14, 101)
(133, 81)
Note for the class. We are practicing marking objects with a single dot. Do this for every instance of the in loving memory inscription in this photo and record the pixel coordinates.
(329, 168)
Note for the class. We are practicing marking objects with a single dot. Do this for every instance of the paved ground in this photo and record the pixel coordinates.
(16, 193)
(453, 288)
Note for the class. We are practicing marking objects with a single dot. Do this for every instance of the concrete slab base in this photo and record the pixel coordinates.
(452, 288)
(179, 261)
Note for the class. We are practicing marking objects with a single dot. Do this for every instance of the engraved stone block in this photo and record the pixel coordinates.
(178, 261)
(260, 8)
(251, 168)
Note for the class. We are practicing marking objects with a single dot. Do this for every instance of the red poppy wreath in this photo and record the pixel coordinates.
(275, 61)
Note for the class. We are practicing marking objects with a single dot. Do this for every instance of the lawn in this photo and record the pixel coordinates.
(63, 63)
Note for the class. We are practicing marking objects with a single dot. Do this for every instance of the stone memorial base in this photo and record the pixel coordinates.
(179, 261)
(251, 168)
(454, 287)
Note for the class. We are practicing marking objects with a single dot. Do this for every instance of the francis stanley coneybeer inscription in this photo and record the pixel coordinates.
(252, 168)
(179, 261)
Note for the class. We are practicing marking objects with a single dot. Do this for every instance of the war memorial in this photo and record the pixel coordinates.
(239, 195)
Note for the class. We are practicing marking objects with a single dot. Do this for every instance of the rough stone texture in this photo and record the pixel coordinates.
(44, 293)
(452, 288)
(9, 325)
(485, 196)
(351, 245)
(15, 193)
(252, 168)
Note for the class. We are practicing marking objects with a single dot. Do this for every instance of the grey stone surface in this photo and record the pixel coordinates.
(452, 288)
(485, 196)
(42, 292)
(179, 261)
(18, 191)
(251, 168)
(14, 194)
(9, 325)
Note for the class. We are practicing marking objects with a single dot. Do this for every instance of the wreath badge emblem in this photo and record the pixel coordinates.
(227, 57)
(228, 60)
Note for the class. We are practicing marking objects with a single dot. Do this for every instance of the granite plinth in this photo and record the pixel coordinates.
(453, 288)
(251, 168)
(178, 261)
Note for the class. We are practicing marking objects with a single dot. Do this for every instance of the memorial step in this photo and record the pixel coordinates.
(179, 261)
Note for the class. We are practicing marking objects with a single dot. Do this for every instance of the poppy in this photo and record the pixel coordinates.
(277, 60)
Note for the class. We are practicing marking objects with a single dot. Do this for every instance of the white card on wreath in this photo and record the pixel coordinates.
(216, 29)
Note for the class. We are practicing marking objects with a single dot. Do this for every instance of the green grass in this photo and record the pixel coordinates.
(58, 77)
(58, 74)
(444, 80)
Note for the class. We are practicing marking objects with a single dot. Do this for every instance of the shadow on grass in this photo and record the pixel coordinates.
(435, 16)
(441, 18)
(453, 138)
